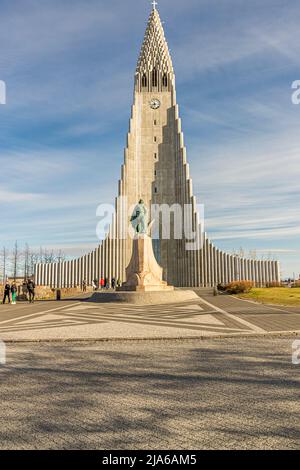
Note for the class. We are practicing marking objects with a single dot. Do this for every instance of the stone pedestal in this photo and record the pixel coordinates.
(143, 273)
(144, 284)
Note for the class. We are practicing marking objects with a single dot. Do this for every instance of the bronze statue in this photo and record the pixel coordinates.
(139, 218)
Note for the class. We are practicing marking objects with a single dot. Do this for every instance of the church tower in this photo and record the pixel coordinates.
(155, 169)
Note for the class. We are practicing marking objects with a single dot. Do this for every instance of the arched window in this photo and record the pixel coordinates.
(154, 77)
(144, 81)
(165, 80)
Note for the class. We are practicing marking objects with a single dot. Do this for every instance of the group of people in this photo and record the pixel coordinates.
(104, 283)
(11, 290)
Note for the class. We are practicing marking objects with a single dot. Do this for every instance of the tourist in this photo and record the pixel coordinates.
(94, 284)
(6, 293)
(84, 285)
(106, 281)
(113, 283)
(31, 291)
(119, 282)
(14, 293)
(102, 283)
(24, 289)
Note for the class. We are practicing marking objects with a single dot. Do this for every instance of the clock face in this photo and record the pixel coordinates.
(155, 103)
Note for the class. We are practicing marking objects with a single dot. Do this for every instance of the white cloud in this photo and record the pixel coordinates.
(17, 197)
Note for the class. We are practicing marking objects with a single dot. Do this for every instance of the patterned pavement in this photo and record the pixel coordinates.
(177, 393)
(77, 319)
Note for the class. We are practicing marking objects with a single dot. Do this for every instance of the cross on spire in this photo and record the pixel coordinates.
(154, 3)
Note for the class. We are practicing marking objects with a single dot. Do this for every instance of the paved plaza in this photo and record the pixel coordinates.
(79, 319)
(216, 373)
(233, 393)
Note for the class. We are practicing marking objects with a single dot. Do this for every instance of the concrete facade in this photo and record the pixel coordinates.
(155, 169)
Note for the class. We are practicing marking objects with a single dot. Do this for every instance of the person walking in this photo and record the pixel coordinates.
(84, 285)
(6, 293)
(31, 291)
(24, 289)
(102, 283)
(113, 283)
(14, 293)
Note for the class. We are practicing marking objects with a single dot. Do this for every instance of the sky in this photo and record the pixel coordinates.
(69, 67)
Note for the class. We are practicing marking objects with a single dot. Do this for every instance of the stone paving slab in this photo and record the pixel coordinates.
(216, 394)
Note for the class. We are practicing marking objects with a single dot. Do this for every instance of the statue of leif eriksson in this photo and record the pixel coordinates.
(139, 218)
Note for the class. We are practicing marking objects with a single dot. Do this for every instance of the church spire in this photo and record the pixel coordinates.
(154, 69)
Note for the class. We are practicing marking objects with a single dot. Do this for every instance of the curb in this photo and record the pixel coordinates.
(276, 334)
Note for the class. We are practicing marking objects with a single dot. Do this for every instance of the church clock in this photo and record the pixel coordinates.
(155, 104)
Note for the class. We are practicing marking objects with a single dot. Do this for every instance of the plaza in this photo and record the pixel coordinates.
(80, 319)
(181, 394)
(213, 374)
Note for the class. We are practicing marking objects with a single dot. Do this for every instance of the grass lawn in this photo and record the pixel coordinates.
(275, 295)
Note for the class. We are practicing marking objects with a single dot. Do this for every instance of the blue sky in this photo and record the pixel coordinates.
(69, 68)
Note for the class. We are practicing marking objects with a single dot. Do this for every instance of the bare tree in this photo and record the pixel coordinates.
(41, 255)
(15, 261)
(3, 263)
(33, 260)
(49, 256)
(61, 257)
(26, 258)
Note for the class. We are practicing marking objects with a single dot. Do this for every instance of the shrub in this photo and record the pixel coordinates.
(221, 288)
(239, 287)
